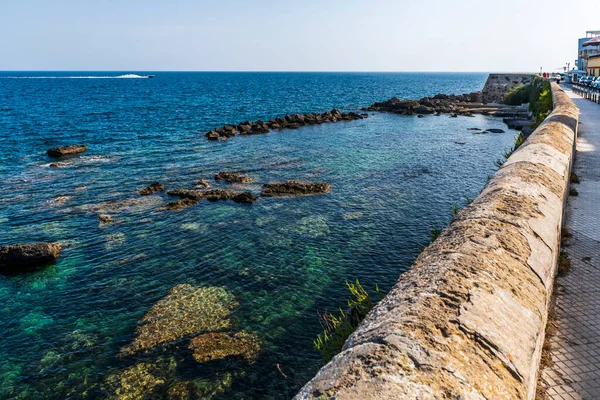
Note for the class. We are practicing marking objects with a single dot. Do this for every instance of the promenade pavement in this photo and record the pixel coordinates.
(574, 372)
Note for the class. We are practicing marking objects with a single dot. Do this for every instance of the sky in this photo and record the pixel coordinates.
(289, 35)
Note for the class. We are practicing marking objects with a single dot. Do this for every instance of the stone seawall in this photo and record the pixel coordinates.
(467, 321)
(498, 85)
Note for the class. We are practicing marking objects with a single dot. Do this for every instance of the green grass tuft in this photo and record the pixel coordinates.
(575, 178)
(337, 329)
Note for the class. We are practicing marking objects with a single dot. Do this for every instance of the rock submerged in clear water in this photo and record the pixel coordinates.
(60, 164)
(178, 205)
(69, 150)
(218, 345)
(105, 219)
(232, 177)
(134, 383)
(199, 313)
(26, 257)
(294, 188)
(203, 183)
(186, 310)
(152, 188)
(158, 380)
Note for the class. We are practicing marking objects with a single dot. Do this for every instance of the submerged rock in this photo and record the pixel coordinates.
(185, 310)
(60, 164)
(152, 188)
(25, 257)
(495, 130)
(294, 188)
(117, 206)
(232, 177)
(105, 219)
(139, 381)
(62, 151)
(59, 200)
(203, 183)
(245, 197)
(179, 204)
(219, 345)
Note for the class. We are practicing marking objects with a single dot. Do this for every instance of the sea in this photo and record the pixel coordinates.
(284, 261)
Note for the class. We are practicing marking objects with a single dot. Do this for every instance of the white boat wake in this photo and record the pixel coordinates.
(126, 76)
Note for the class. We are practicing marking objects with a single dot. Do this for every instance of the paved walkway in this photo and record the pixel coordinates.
(575, 370)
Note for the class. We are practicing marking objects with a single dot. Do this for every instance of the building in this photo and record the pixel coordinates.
(593, 65)
(583, 53)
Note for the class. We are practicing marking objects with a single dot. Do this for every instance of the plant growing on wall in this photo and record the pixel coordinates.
(336, 329)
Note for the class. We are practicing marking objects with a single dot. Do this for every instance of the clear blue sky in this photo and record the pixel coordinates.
(308, 35)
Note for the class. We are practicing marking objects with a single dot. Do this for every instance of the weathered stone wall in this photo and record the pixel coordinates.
(467, 320)
(498, 85)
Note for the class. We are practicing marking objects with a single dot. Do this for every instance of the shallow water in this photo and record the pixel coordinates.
(394, 178)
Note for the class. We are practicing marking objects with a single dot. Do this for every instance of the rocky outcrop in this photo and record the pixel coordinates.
(438, 104)
(17, 258)
(214, 195)
(468, 319)
(294, 188)
(152, 188)
(232, 177)
(179, 204)
(69, 150)
(292, 121)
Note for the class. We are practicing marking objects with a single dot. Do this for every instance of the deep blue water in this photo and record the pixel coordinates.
(394, 178)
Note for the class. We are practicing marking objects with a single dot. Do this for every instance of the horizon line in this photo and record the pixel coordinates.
(260, 71)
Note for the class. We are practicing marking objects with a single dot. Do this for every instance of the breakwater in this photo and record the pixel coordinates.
(498, 85)
(468, 319)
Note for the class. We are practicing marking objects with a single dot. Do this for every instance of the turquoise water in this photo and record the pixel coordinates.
(394, 177)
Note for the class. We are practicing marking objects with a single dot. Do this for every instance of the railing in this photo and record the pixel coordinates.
(588, 92)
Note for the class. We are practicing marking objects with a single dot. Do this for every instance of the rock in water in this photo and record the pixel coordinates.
(179, 204)
(245, 197)
(105, 219)
(294, 188)
(495, 130)
(62, 151)
(184, 311)
(139, 381)
(59, 164)
(25, 257)
(213, 195)
(152, 188)
(219, 345)
(202, 183)
(231, 177)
